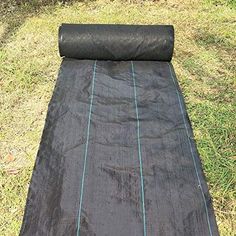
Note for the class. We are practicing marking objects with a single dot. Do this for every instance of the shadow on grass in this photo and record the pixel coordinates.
(206, 39)
(15, 13)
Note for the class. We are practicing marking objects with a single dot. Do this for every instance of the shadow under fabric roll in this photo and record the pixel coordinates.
(117, 155)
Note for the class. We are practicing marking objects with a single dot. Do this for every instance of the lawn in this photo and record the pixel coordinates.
(205, 52)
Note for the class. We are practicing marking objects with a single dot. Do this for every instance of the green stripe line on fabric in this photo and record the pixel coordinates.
(139, 151)
(86, 149)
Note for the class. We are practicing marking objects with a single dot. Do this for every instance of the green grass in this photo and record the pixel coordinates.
(204, 62)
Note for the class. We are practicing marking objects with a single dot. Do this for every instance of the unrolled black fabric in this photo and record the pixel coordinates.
(117, 156)
(117, 42)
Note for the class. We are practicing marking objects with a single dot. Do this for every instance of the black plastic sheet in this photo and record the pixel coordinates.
(117, 155)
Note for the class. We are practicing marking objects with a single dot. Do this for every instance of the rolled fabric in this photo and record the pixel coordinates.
(116, 42)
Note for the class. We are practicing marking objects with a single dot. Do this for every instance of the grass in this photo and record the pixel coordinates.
(204, 62)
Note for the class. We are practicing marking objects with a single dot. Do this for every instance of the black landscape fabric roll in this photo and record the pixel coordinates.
(117, 42)
(117, 155)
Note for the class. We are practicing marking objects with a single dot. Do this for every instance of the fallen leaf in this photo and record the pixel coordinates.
(12, 171)
(10, 158)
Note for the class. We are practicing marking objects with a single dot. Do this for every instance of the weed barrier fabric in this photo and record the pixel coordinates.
(116, 42)
(117, 155)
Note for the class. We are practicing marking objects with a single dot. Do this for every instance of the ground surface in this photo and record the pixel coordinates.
(204, 62)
